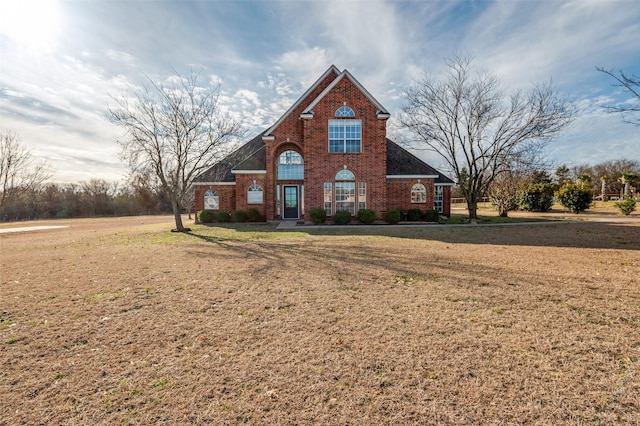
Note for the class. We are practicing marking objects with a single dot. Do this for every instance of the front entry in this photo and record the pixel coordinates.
(291, 210)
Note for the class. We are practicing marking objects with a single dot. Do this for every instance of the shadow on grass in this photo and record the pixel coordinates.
(580, 234)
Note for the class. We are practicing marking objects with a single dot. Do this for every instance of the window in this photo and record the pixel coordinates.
(254, 194)
(345, 175)
(346, 191)
(211, 200)
(418, 193)
(345, 111)
(438, 197)
(346, 197)
(290, 166)
(328, 198)
(345, 136)
(362, 195)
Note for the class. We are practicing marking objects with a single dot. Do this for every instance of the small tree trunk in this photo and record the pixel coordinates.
(178, 217)
(473, 212)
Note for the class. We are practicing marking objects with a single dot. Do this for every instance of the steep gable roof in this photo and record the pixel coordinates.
(345, 74)
(250, 156)
(331, 69)
(401, 162)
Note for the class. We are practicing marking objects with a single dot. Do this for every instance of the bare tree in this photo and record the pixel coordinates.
(19, 173)
(632, 84)
(174, 132)
(467, 119)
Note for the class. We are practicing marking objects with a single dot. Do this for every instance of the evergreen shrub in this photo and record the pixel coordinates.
(318, 216)
(342, 217)
(366, 216)
(205, 216)
(393, 216)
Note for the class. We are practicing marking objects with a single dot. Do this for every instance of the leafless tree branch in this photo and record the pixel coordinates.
(18, 171)
(475, 128)
(174, 132)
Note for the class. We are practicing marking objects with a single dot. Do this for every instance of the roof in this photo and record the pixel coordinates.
(250, 156)
(401, 162)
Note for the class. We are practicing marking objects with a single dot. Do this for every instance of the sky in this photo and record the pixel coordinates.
(62, 62)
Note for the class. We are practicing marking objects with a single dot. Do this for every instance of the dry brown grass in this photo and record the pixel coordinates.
(116, 322)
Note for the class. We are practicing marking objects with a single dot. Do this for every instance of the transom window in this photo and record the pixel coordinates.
(255, 194)
(345, 111)
(211, 200)
(418, 193)
(345, 174)
(345, 136)
(290, 166)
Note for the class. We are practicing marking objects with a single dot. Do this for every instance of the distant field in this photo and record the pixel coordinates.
(119, 321)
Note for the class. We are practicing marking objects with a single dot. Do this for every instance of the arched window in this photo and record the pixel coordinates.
(345, 174)
(290, 166)
(211, 200)
(255, 194)
(345, 111)
(346, 191)
(418, 193)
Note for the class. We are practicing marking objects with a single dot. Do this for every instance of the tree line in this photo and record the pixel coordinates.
(93, 198)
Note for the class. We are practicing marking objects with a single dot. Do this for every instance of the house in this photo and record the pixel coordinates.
(329, 150)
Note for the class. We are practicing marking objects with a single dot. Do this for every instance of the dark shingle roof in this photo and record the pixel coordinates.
(401, 162)
(250, 156)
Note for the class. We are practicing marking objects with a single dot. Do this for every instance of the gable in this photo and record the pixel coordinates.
(381, 111)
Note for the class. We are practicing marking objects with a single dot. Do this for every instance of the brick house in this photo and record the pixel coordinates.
(329, 150)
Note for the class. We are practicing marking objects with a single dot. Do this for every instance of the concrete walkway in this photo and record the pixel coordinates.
(287, 224)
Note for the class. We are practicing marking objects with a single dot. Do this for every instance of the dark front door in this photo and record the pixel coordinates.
(291, 202)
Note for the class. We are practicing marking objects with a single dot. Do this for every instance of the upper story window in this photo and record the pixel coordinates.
(290, 166)
(418, 193)
(254, 194)
(345, 136)
(345, 111)
(211, 200)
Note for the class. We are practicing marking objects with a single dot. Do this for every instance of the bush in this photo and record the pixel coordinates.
(366, 216)
(414, 215)
(223, 216)
(254, 215)
(432, 215)
(626, 206)
(318, 216)
(537, 198)
(393, 216)
(239, 216)
(205, 216)
(342, 217)
(575, 198)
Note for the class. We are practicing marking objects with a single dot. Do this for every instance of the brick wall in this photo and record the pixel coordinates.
(243, 182)
(368, 166)
(226, 196)
(399, 194)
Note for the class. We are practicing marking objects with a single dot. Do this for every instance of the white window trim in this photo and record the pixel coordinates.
(344, 140)
(254, 190)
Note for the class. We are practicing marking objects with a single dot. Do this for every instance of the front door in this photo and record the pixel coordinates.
(291, 202)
